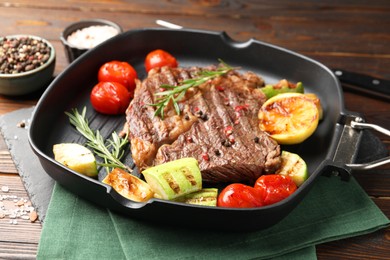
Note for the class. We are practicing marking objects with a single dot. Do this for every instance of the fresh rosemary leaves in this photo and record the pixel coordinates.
(111, 150)
(176, 93)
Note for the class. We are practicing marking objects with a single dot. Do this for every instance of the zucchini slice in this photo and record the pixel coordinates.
(204, 197)
(174, 179)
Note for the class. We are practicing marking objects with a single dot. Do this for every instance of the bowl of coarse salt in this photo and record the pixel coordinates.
(84, 35)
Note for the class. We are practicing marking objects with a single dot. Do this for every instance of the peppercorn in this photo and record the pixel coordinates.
(22, 54)
(204, 117)
(226, 143)
(189, 139)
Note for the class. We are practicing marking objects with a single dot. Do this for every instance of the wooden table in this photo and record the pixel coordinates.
(351, 35)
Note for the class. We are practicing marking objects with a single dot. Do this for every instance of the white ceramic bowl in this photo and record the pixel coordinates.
(30, 81)
(73, 52)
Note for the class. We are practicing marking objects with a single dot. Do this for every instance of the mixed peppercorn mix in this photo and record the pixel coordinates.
(22, 54)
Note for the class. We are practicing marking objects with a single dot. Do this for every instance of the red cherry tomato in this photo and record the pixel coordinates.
(110, 98)
(275, 187)
(118, 71)
(159, 58)
(238, 195)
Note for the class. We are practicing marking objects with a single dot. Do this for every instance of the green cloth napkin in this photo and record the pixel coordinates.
(333, 209)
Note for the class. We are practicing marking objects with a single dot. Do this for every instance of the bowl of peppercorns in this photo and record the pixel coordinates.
(27, 64)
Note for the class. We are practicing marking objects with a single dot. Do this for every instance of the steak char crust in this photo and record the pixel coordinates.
(218, 126)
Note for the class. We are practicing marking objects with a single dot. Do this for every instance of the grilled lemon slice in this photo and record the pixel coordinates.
(289, 118)
(316, 101)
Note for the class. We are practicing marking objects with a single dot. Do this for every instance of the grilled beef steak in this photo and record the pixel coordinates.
(218, 126)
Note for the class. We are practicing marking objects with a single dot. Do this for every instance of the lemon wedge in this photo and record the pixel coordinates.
(289, 118)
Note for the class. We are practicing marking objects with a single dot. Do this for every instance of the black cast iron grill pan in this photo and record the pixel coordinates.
(328, 150)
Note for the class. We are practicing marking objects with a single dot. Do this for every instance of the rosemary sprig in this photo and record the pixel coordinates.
(111, 150)
(176, 93)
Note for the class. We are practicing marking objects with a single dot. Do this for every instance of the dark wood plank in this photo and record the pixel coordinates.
(18, 237)
(371, 246)
(6, 163)
(326, 31)
(227, 8)
(375, 183)
(18, 251)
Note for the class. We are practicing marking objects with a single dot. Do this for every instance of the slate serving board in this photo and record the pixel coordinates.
(39, 185)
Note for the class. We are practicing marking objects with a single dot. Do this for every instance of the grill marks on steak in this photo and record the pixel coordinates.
(218, 126)
(146, 132)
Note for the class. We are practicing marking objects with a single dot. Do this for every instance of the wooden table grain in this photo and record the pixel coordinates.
(350, 35)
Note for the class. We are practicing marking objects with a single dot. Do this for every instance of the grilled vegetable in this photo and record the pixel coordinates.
(111, 98)
(294, 167)
(316, 101)
(159, 58)
(76, 157)
(275, 187)
(128, 185)
(282, 86)
(289, 118)
(238, 195)
(174, 179)
(118, 71)
(204, 197)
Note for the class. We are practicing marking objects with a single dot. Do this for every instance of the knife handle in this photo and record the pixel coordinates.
(364, 83)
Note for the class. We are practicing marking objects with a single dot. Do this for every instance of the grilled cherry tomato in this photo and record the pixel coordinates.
(159, 58)
(118, 71)
(110, 98)
(275, 187)
(238, 195)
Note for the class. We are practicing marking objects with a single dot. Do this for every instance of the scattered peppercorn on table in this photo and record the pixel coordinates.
(344, 35)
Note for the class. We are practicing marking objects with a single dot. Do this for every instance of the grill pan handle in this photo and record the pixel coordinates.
(357, 124)
(348, 145)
